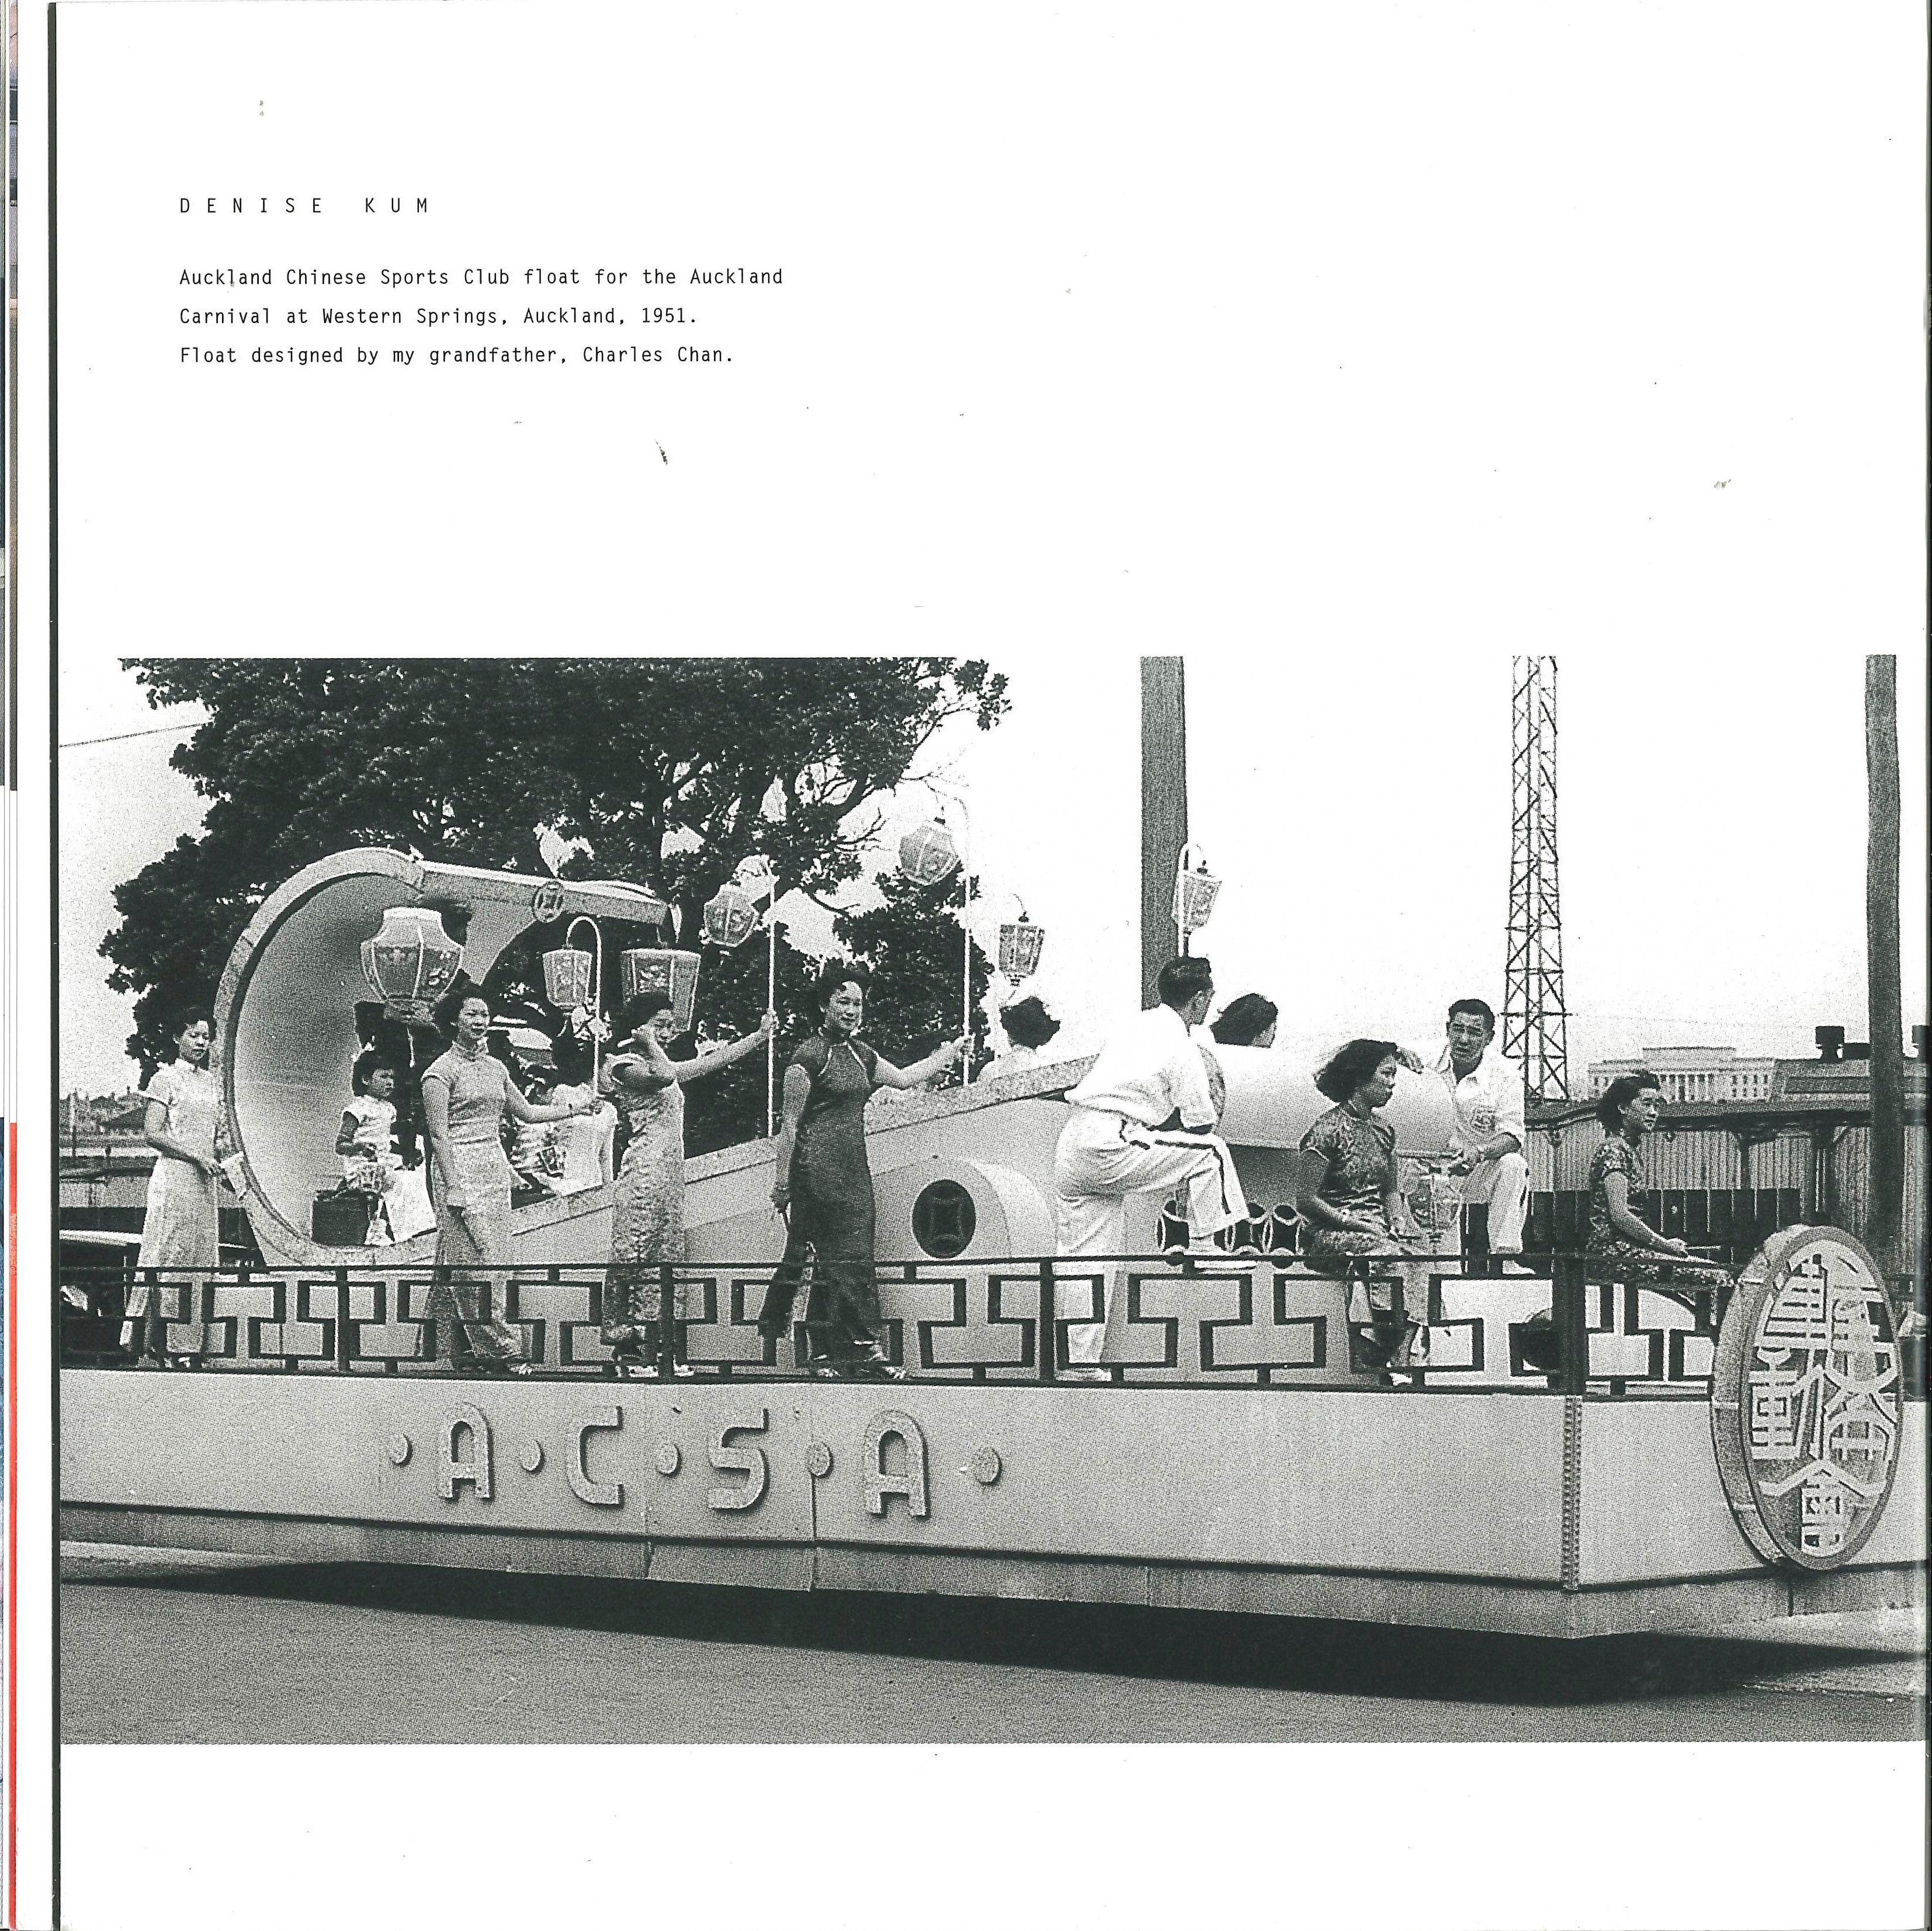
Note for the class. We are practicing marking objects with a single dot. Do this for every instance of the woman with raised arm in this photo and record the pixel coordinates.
(465, 1095)
(822, 1182)
(182, 1226)
(647, 1225)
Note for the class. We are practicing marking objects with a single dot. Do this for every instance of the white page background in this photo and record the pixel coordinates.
(1324, 344)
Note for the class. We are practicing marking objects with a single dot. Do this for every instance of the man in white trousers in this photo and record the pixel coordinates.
(1489, 1133)
(1141, 1122)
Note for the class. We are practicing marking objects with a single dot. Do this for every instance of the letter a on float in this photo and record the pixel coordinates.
(879, 1484)
(475, 1471)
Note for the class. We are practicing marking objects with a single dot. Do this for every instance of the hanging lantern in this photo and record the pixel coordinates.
(411, 962)
(665, 973)
(927, 854)
(1194, 894)
(567, 974)
(1020, 944)
(731, 916)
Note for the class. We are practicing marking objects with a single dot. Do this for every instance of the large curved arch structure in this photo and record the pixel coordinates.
(285, 1028)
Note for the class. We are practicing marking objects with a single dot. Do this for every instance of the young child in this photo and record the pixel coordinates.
(370, 1162)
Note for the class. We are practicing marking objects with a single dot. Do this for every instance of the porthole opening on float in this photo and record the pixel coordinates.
(943, 1219)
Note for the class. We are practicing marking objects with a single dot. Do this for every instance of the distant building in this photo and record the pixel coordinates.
(1692, 1075)
(1724, 1171)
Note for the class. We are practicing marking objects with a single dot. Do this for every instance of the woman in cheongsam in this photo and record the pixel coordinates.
(1622, 1247)
(1351, 1210)
(465, 1095)
(647, 1222)
(182, 1226)
(823, 1183)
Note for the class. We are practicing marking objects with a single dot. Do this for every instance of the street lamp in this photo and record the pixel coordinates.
(572, 979)
(1195, 889)
(665, 971)
(928, 854)
(1020, 941)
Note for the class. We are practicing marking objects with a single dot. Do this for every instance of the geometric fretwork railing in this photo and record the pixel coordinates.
(1229, 1324)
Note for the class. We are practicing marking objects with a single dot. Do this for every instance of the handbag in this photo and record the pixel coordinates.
(339, 1216)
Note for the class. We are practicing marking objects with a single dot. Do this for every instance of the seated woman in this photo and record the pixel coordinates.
(1349, 1206)
(1622, 1247)
(399, 1194)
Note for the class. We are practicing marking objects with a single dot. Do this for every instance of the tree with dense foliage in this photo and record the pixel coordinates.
(668, 772)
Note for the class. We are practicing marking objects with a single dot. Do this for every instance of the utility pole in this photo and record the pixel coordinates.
(1536, 1022)
(1885, 1210)
(1163, 808)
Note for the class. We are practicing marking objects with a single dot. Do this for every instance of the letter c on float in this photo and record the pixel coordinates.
(601, 1494)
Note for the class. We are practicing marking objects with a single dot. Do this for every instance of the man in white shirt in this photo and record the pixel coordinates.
(1141, 1122)
(1489, 1133)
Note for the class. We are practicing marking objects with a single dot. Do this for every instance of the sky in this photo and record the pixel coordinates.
(1348, 351)
(1711, 843)
(1311, 345)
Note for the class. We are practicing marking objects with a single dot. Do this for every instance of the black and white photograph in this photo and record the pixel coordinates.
(983, 968)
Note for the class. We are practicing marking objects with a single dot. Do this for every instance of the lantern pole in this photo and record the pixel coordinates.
(771, 878)
(596, 983)
(966, 969)
(952, 798)
(966, 933)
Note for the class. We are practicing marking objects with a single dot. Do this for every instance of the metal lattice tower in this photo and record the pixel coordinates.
(1536, 1022)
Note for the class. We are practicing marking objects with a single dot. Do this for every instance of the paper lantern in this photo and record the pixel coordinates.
(412, 961)
(731, 916)
(1194, 894)
(665, 973)
(568, 974)
(1020, 944)
(927, 854)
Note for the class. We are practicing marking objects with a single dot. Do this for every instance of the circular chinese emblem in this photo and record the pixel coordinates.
(1805, 1398)
(546, 903)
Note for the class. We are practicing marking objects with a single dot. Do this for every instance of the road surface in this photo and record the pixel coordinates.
(159, 1649)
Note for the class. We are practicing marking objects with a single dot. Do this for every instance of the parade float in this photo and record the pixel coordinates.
(1571, 1461)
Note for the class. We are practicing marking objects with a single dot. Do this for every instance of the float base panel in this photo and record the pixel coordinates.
(1453, 1511)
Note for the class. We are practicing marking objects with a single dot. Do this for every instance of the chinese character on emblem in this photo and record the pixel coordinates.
(1806, 1398)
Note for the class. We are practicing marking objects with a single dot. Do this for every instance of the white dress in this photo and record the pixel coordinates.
(182, 1228)
(402, 1198)
(585, 1141)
